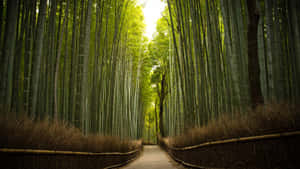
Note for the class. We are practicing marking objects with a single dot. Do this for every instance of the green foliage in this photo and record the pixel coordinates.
(88, 63)
(211, 73)
(90, 68)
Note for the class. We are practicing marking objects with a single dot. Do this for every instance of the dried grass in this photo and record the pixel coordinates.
(266, 119)
(26, 134)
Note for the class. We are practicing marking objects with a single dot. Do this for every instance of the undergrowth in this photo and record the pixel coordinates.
(24, 133)
(266, 119)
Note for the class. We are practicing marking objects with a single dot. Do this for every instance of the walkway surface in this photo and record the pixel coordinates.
(153, 158)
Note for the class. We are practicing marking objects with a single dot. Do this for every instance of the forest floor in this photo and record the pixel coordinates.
(153, 157)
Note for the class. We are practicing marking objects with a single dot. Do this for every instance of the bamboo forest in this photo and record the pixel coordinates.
(84, 76)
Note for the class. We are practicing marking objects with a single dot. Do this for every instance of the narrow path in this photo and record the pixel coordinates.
(153, 158)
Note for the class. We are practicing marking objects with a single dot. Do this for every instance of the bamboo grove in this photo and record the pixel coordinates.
(228, 55)
(76, 61)
(87, 62)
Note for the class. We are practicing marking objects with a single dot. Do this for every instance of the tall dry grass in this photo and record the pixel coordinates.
(266, 119)
(26, 134)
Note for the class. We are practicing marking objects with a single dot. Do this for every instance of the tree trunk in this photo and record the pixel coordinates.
(85, 55)
(253, 65)
(29, 34)
(156, 122)
(73, 67)
(8, 53)
(161, 105)
(59, 44)
(1, 23)
(37, 57)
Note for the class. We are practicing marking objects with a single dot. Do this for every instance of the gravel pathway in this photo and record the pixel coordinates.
(153, 158)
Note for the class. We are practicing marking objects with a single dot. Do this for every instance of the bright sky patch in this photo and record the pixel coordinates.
(152, 12)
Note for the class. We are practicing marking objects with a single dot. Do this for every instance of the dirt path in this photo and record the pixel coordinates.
(153, 158)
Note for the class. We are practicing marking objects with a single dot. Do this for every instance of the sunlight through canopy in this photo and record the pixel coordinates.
(152, 12)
